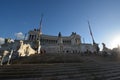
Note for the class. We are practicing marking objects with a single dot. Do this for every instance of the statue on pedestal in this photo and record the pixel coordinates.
(39, 47)
(105, 50)
(3, 57)
(25, 49)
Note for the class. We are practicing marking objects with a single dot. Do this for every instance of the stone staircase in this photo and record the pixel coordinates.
(61, 71)
(87, 70)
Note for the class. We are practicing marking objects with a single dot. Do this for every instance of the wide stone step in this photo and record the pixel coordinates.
(70, 71)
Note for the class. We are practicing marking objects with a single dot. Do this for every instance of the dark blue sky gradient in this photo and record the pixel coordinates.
(63, 16)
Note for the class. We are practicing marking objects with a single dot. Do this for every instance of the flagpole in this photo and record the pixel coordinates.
(41, 24)
(40, 32)
(91, 33)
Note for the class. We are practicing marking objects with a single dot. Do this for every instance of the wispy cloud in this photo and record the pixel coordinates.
(19, 35)
(2, 40)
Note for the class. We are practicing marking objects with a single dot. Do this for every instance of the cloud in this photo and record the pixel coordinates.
(19, 35)
(2, 40)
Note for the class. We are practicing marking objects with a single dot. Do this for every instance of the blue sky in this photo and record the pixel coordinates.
(63, 16)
